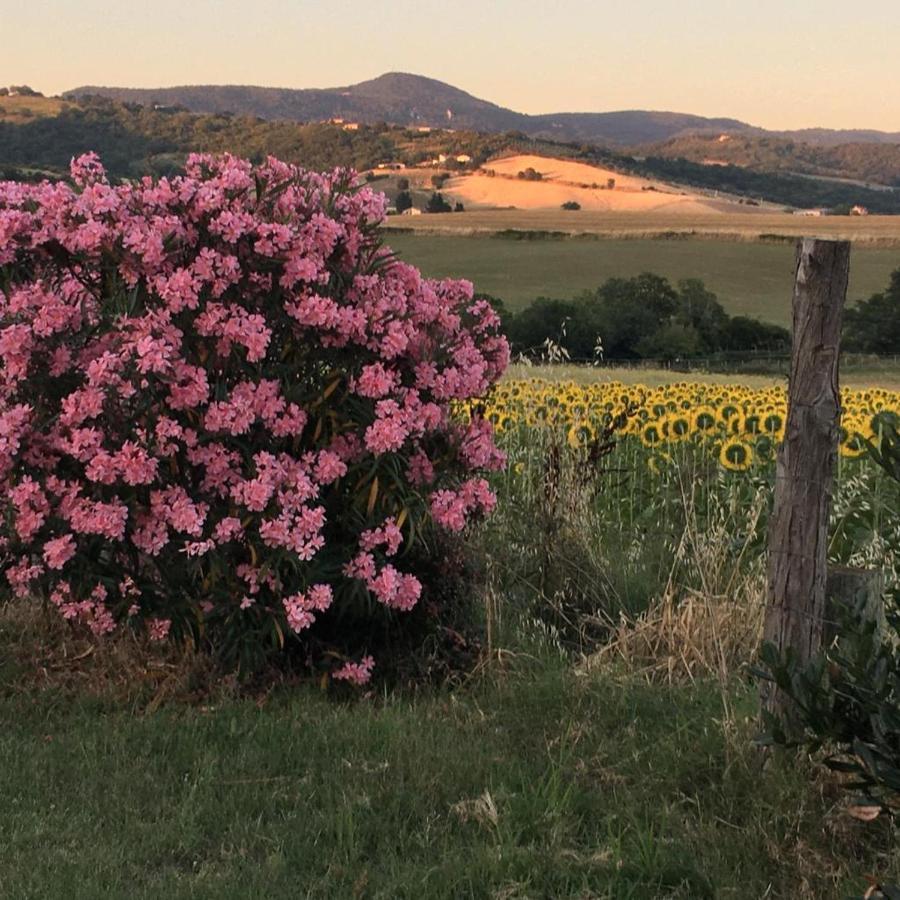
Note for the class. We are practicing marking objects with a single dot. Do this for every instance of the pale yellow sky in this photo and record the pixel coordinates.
(787, 64)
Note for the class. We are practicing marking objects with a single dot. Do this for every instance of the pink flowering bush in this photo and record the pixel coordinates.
(225, 408)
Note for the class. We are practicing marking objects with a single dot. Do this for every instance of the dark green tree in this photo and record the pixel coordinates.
(437, 204)
(873, 325)
(403, 201)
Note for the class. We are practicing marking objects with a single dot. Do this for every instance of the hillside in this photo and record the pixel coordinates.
(133, 140)
(873, 163)
(594, 188)
(405, 99)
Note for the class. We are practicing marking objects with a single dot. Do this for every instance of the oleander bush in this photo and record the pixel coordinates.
(226, 408)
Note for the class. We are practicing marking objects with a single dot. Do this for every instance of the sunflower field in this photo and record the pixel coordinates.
(739, 426)
(618, 494)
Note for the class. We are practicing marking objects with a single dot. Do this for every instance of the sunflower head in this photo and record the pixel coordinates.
(736, 454)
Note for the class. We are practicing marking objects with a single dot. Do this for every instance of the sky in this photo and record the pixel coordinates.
(780, 65)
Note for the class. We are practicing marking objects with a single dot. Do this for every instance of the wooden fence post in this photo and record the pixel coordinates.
(798, 532)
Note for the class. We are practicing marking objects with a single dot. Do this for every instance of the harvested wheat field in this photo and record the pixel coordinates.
(497, 185)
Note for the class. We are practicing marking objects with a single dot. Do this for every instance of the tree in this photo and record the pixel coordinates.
(543, 319)
(700, 310)
(672, 341)
(402, 184)
(437, 204)
(458, 207)
(742, 333)
(403, 201)
(873, 325)
(437, 181)
(571, 204)
(623, 311)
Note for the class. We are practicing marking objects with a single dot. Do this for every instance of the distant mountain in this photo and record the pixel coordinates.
(403, 99)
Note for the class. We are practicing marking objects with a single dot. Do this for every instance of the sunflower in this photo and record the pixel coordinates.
(736, 455)
(852, 443)
(729, 411)
(703, 420)
(773, 423)
(580, 434)
(651, 433)
(677, 426)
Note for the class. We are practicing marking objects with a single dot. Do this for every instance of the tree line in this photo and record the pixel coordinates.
(647, 317)
(644, 317)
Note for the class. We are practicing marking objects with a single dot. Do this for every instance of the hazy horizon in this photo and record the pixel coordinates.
(778, 68)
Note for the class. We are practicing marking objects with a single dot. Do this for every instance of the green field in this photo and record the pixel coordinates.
(752, 279)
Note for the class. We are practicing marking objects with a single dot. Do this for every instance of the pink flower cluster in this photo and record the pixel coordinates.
(216, 396)
(356, 673)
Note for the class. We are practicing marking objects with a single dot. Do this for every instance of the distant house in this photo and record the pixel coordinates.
(412, 211)
(424, 129)
(809, 212)
(464, 158)
(859, 211)
(351, 126)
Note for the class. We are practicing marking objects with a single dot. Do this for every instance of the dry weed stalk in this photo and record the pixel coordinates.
(710, 630)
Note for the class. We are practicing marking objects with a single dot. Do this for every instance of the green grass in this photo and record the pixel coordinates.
(602, 788)
(753, 279)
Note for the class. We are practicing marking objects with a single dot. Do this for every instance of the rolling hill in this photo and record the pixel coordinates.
(405, 99)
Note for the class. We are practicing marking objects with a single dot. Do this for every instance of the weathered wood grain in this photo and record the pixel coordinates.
(798, 533)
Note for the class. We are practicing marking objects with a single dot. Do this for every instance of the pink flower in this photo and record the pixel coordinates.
(356, 673)
(59, 551)
(159, 629)
(192, 429)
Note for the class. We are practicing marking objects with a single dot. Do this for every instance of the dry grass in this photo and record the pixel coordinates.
(42, 653)
(497, 185)
(688, 635)
(23, 109)
(697, 632)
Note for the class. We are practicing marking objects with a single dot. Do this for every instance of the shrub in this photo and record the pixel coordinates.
(225, 407)
(571, 205)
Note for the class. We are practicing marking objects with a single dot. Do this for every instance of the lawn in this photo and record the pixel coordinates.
(753, 279)
(526, 783)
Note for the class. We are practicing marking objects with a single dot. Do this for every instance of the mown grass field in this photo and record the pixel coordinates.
(529, 783)
(749, 226)
(752, 279)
